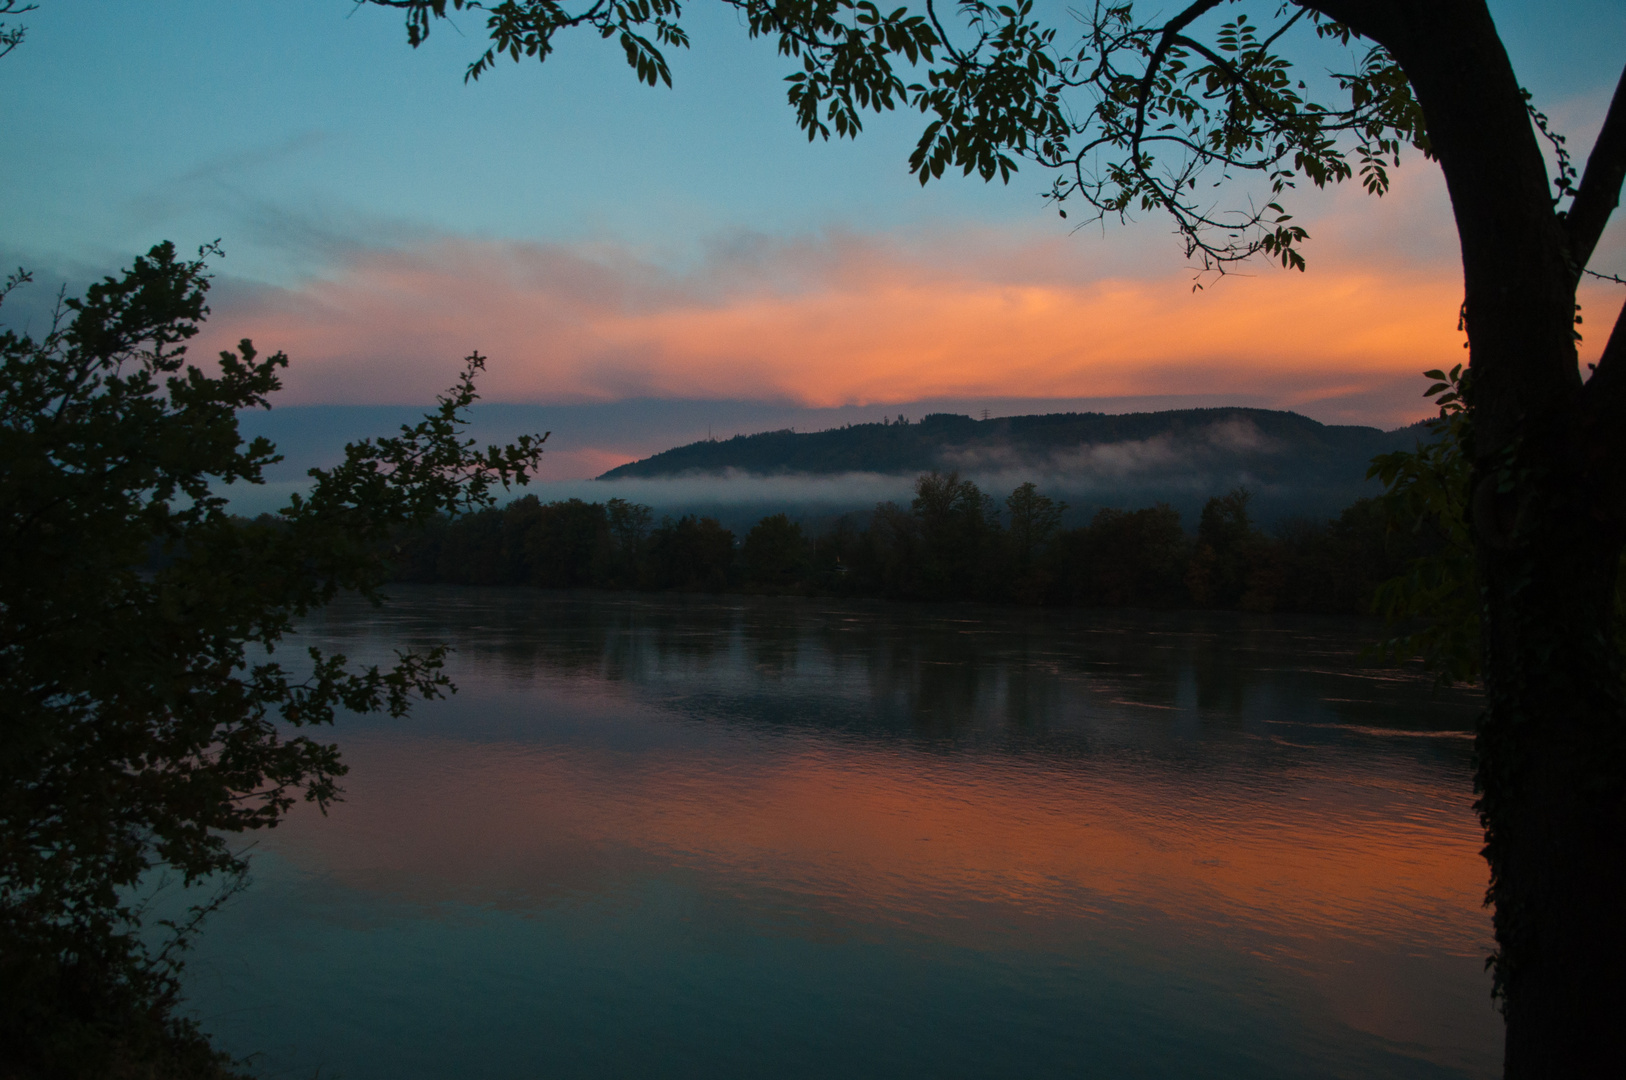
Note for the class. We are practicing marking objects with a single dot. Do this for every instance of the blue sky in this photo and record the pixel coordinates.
(608, 242)
(298, 128)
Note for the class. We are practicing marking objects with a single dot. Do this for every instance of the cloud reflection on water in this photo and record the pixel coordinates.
(1179, 786)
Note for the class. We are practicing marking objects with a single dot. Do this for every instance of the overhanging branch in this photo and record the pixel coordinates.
(1599, 191)
(1602, 429)
(1171, 32)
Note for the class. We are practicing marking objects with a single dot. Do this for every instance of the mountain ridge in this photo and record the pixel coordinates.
(1267, 442)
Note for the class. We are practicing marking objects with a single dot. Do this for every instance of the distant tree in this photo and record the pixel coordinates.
(959, 530)
(691, 553)
(629, 525)
(835, 553)
(1034, 521)
(887, 559)
(145, 717)
(1139, 558)
(567, 544)
(415, 553)
(1122, 559)
(479, 550)
(1349, 564)
(776, 553)
(1228, 550)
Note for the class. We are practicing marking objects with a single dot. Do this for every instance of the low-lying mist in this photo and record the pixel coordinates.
(1183, 469)
(738, 500)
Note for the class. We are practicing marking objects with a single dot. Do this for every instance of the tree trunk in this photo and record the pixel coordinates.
(1547, 528)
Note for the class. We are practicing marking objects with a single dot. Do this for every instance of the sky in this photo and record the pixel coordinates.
(655, 264)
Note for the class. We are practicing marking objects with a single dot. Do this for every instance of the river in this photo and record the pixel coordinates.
(731, 837)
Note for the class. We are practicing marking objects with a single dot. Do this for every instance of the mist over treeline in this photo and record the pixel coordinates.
(1292, 465)
(1268, 442)
(836, 462)
(952, 542)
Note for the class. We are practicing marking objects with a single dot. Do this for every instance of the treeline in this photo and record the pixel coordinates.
(953, 542)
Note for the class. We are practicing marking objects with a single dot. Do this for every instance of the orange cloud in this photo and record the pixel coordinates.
(865, 325)
(842, 320)
(913, 337)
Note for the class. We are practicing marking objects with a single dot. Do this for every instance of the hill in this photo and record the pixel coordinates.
(1295, 466)
(1268, 443)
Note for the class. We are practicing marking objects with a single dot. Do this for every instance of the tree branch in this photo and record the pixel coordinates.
(1614, 356)
(1602, 428)
(1376, 19)
(1171, 31)
(1603, 398)
(1599, 192)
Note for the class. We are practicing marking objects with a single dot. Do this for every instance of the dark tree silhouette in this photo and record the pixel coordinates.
(690, 553)
(1227, 550)
(1125, 558)
(144, 719)
(776, 553)
(1035, 519)
(958, 526)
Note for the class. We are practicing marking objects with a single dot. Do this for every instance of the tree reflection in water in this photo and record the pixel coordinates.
(869, 839)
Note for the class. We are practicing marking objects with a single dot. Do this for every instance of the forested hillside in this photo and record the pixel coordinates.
(1271, 446)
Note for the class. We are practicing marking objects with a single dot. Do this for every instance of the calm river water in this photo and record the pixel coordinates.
(723, 837)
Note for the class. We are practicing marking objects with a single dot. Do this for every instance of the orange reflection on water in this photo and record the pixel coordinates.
(1361, 888)
(660, 776)
(888, 834)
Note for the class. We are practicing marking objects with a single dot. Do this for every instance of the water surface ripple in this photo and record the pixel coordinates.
(726, 837)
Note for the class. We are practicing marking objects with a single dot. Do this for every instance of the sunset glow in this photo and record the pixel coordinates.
(867, 326)
(874, 833)
(564, 538)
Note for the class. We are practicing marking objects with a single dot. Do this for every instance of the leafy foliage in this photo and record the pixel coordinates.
(1428, 494)
(147, 718)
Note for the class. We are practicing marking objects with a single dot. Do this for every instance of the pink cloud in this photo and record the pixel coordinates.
(843, 319)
